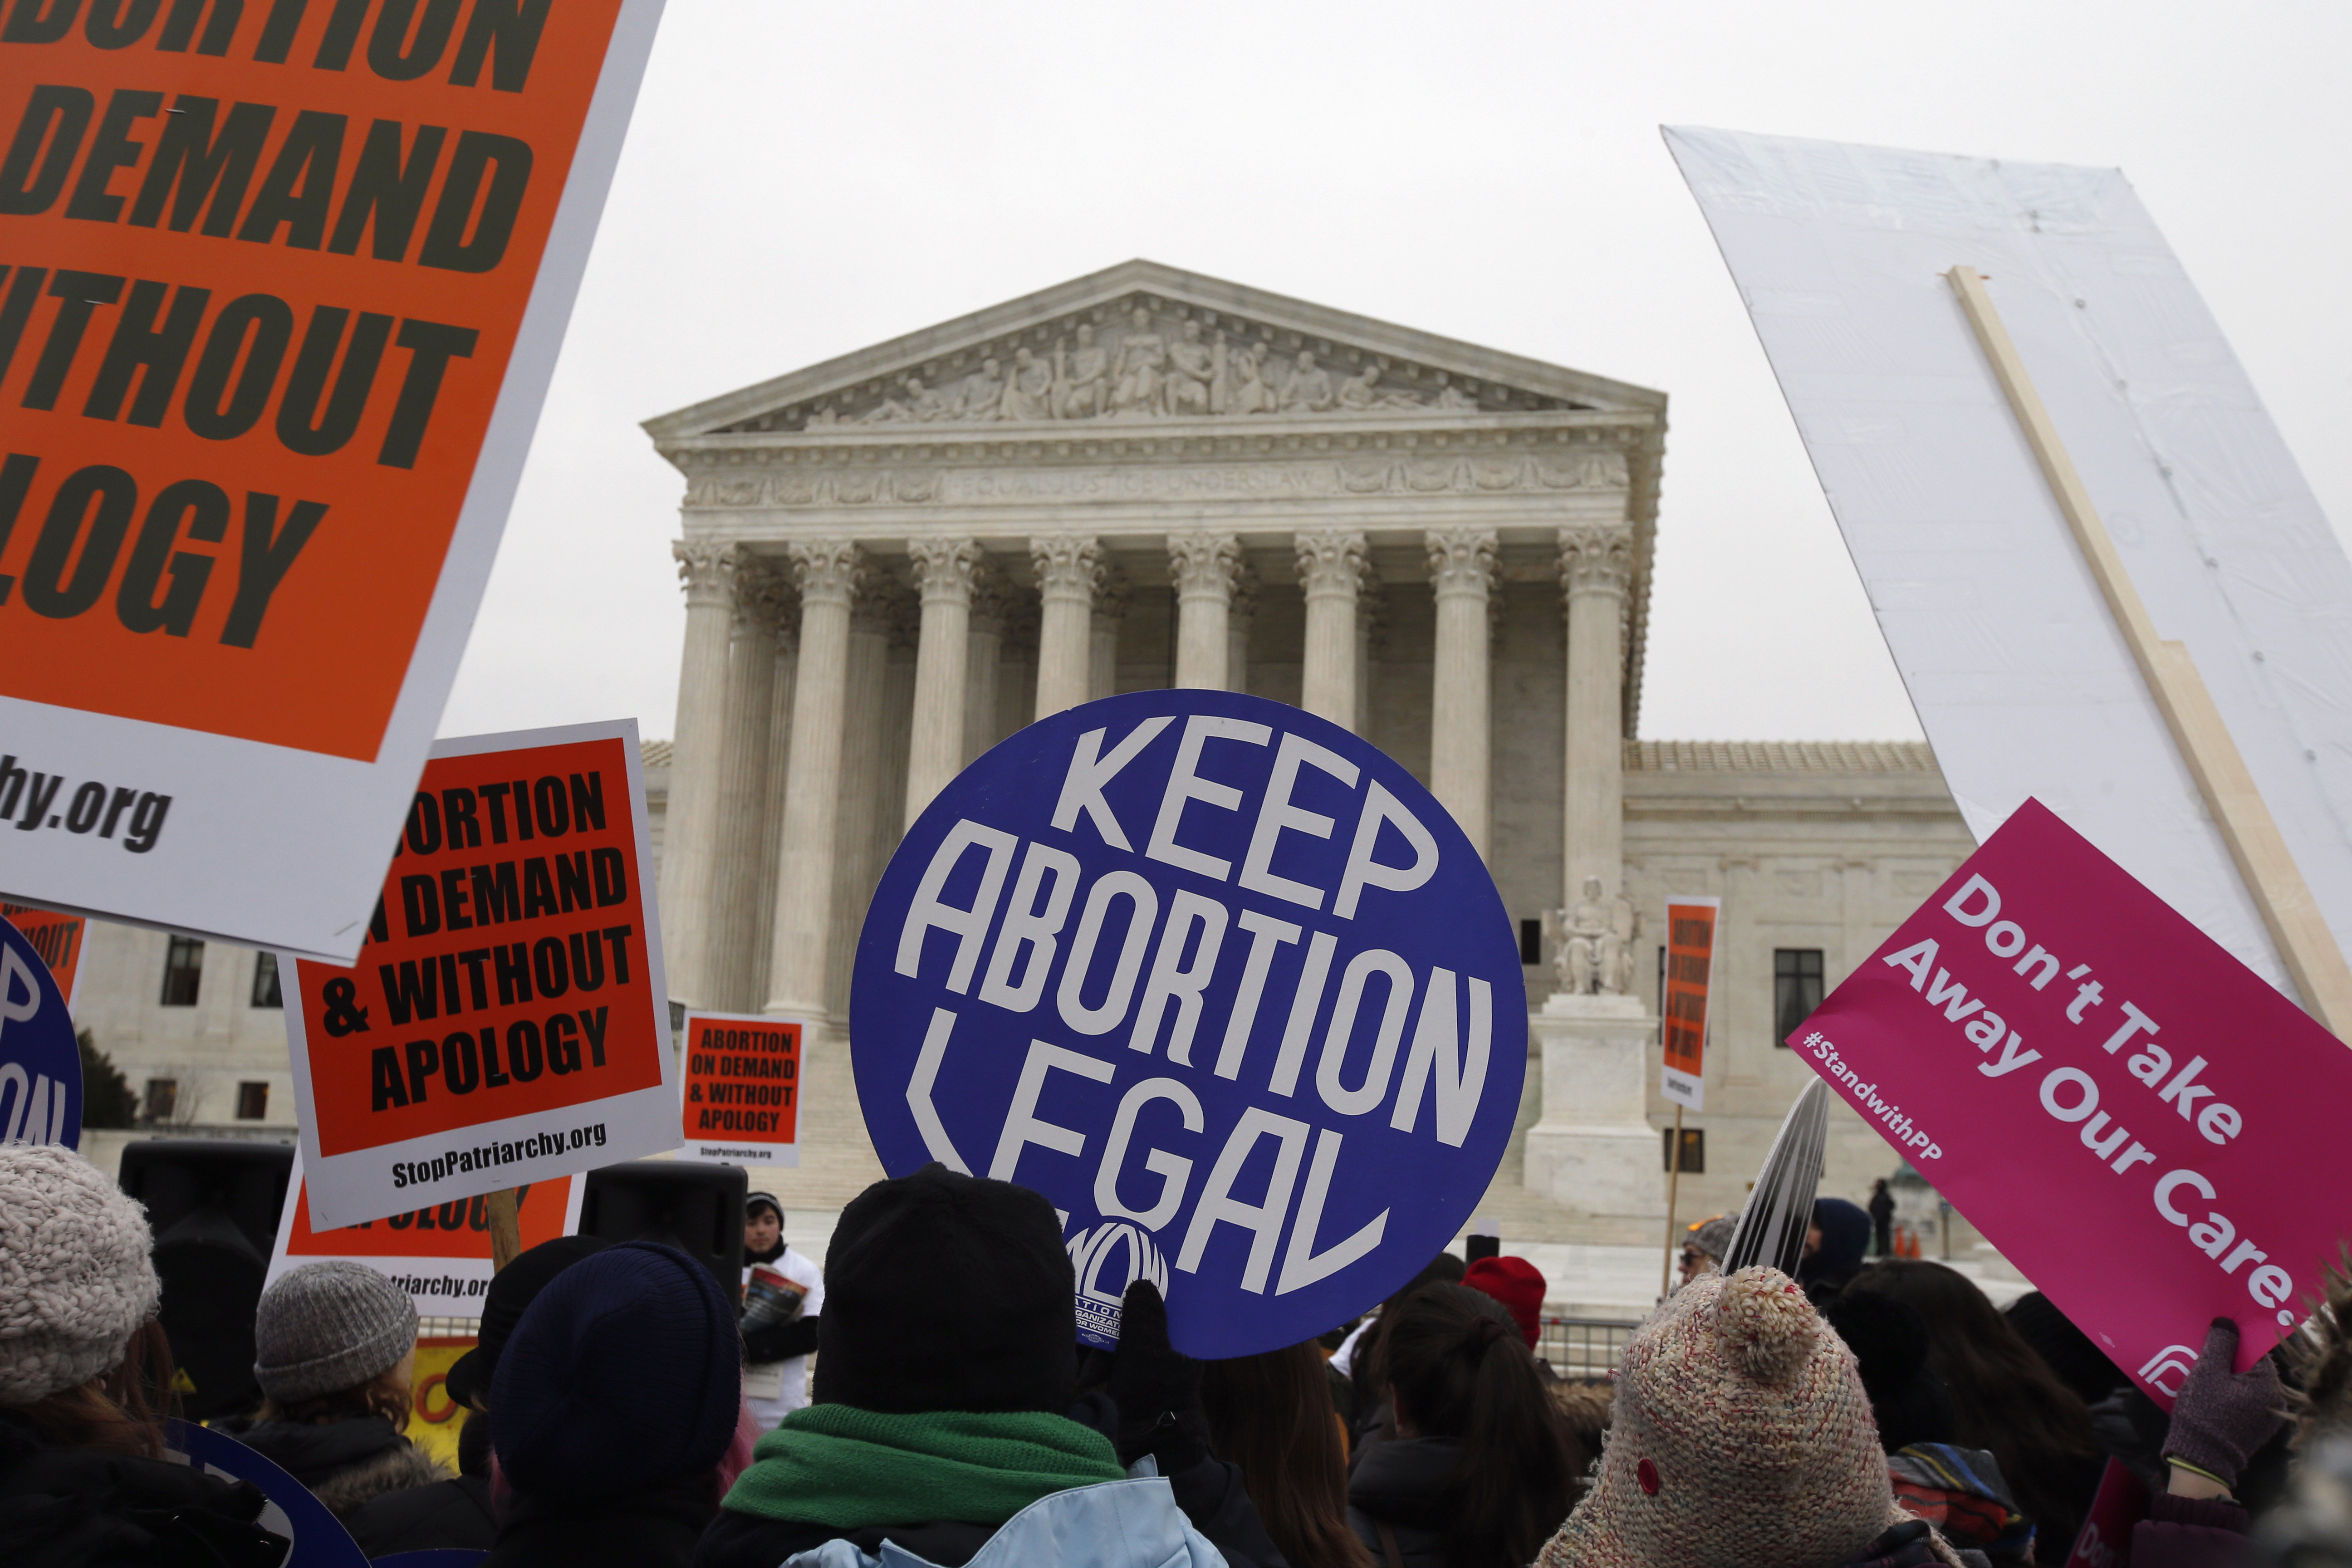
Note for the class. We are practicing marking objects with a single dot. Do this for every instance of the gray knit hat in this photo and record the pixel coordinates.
(1713, 1237)
(327, 1327)
(74, 1280)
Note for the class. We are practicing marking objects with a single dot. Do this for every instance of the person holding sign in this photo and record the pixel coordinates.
(82, 1480)
(783, 1293)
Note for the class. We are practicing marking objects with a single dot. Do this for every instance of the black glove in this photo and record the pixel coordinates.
(780, 1341)
(2221, 1416)
(1156, 1388)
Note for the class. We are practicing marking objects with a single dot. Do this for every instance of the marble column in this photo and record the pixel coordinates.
(1372, 638)
(991, 603)
(944, 572)
(1111, 615)
(1596, 568)
(1240, 615)
(867, 800)
(1205, 568)
(760, 598)
(830, 571)
(690, 849)
(771, 807)
(1016, 694)
(1462, 571)
(1330, 573)
(1070, 568)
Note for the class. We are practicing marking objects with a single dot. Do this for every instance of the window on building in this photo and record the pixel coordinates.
(252, 1101)
(1531, 942)
(1796, 989)
(184, 972)
(1694, 1150)
(266, 993)
(162, 1099)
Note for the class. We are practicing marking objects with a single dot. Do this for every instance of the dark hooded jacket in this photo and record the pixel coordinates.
(447, 1515)
(85, 1508)
(1846, 1239)
(1404, 1485)
(344, 1463)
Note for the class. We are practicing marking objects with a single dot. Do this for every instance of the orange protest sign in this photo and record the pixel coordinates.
(440, 1254)
(742, 1084)
(505, 1022)
(1690, 964)
(283, 287)
(56, 937)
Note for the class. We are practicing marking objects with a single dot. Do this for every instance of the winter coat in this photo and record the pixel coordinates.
(654, 1527)
(344, 1463)
(1402, 1484)
(447, 1515)
(85, 1508)
(1133, 1523)
(2189, 1532)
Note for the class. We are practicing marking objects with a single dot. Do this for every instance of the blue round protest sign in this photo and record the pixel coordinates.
(1224, 983)
(40, 1065)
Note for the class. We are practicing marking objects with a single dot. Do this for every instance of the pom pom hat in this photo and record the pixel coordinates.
(74, 1280)
(1741, 1438)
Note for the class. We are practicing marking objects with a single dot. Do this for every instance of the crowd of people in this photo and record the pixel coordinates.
(626, 1407)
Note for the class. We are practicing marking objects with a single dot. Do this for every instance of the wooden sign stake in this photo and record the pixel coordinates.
(503, 1210)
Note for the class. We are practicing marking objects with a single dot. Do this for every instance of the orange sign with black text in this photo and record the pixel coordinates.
(505, 1022)
(283, 287)
(742, 1089)
(1690, 967)
(57, 938)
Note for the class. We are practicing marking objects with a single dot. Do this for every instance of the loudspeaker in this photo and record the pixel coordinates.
(213, 1205)
(695, 1206)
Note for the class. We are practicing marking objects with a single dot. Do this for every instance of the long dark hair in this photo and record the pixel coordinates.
(1459, 1369)
(1272, 1415)
(2005, 1398)
(121, 1413)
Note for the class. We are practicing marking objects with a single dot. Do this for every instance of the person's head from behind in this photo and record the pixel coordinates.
(945, 1291)
(624, 1372)
(512, 1290)
(1518, 1284)
(333, 1342)
(1458, 1368)
(78, 1286)
(1272, 1415)
(1741, 1438)
(1836, 1241)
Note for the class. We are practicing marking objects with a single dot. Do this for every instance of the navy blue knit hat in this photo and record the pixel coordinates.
(627, 1370)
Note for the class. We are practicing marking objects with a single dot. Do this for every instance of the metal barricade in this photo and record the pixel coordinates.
(1584, 1347)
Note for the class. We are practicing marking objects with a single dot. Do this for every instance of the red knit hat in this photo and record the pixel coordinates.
(1517, 1284)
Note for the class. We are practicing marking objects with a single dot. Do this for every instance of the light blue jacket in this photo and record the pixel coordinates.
(1133, 1523)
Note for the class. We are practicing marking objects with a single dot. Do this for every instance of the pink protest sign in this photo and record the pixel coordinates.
(2122, 1108)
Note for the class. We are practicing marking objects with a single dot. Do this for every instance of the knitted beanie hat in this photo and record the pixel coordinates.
(1713, 1237)
(326, 1327)
(1741, 1438)
(1517, 1284)
(944, 1291)
(512, 1290)
(625, 1370)
(74, 1280)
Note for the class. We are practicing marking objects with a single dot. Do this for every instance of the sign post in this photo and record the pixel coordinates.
(284, 290)
(505, 1022)
(1682, 1030)
(1222, 982)
(2104, 1091)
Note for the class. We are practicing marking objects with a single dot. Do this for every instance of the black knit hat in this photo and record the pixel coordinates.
(947, 1292)
(511, 1289)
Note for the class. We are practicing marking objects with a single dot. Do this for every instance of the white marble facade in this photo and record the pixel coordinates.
(1147, 479)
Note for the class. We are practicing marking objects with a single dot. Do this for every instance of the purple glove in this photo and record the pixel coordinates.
(2221, 1416)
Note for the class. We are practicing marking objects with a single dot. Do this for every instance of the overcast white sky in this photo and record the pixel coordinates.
(803, 180)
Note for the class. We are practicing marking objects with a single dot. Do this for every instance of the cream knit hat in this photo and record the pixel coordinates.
(1741, 1438)
(74, 1280)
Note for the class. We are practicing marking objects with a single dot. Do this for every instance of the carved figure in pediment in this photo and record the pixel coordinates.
(1029, 394)
(1248, 394)
(1191, 364)
(1308, 390)
(823, 416)
(982, 393)
(890, 411)
(1142, 361)
(1361, 393)
(1451, 397)
(1085, 381)
(930, 404)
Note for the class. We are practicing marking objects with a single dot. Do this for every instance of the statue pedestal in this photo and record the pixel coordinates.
(1593, 1151)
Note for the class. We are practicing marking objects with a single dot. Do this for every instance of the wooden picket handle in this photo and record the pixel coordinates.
(503, 1210)
(2308, 948)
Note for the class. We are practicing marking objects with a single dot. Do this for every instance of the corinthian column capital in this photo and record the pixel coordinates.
(1462, 561)
(764, 600)
(1331, 561)
(1206, 564)
(946, 569)
(1069, 565)
(704, 570)
(831, 571)
(1596, 558)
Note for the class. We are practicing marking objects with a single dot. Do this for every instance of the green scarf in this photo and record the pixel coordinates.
(847, 1468)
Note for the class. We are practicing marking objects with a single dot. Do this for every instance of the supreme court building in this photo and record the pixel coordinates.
(1147, 477)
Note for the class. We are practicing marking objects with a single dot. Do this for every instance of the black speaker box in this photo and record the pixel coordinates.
(695, 1206)
(213, 1205)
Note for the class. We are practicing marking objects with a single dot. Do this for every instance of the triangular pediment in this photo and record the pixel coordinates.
(1143, 342)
